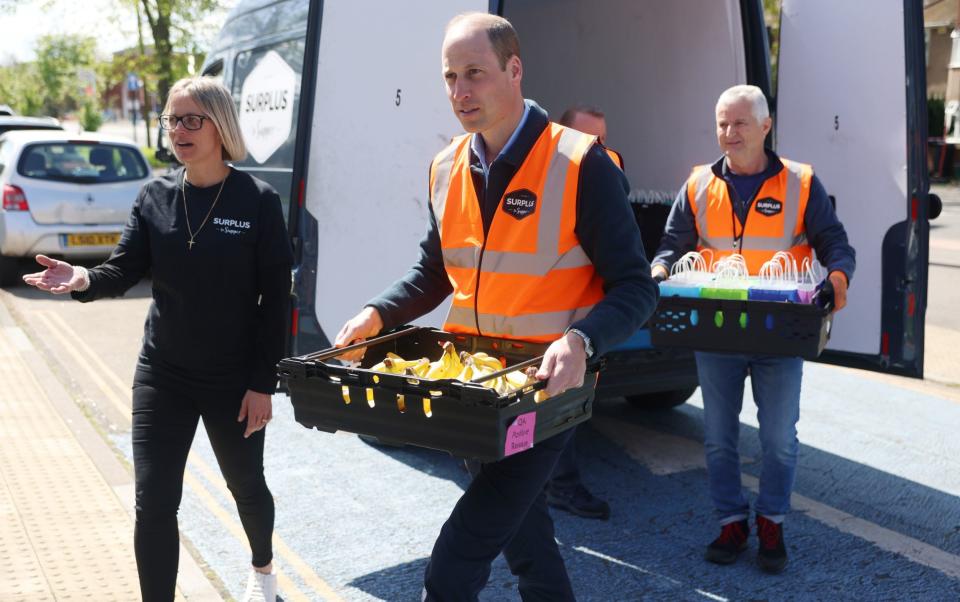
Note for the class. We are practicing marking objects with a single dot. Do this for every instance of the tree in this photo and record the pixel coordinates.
(22, 88)
(90, 117)
(58, 59)
(113, 73)
(771, 12)
(173, 25)
(177, 29)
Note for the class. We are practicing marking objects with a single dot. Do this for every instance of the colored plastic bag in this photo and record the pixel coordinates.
(777, 281)
(687, 276)
(731, 280)
(811, 276)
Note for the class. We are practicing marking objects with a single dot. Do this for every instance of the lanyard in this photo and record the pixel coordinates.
(738, 238)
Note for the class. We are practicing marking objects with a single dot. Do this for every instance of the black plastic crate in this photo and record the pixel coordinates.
(759, 327)
(465, 419)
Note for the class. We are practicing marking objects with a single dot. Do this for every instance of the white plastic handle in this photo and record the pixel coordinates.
(790, 272)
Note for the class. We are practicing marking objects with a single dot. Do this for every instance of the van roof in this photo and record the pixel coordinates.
(246, 6)
(288, 16)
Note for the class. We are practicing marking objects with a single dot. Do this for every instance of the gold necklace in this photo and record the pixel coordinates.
(186, 214)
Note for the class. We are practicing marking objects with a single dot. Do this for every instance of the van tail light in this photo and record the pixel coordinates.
(14, 199)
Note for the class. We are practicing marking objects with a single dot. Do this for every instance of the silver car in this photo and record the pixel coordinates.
(64, 195)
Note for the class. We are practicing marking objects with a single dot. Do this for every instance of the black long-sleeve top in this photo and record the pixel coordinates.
(605, 227)
(220, 309)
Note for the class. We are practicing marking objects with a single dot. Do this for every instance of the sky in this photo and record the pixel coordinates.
(114, 28)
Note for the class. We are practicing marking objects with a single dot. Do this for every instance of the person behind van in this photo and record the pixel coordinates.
(604, 294)
(565, 489)
(755, 203)
(591, 120)
(215, 241)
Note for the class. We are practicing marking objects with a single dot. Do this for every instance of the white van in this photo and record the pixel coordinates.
(850, 99)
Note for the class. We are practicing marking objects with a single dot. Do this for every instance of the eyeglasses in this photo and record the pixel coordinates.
(190, 122)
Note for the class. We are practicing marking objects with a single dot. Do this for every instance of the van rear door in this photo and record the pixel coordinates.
(851, 101)
(375, 113)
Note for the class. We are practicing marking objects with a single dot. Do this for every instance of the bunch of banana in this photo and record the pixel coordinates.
(464, 367)
(394, 364)
(448, 366)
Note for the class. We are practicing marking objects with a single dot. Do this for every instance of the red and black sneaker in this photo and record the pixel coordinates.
(732, 541)
(772, 556)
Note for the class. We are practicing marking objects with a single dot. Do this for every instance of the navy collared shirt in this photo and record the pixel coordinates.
(480, 150)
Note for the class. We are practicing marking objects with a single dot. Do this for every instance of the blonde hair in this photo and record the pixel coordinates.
(215, 100)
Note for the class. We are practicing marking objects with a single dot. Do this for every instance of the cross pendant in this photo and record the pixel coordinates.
(190, 244)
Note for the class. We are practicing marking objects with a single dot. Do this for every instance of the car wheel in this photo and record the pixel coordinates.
(9, 270)
(661, 400)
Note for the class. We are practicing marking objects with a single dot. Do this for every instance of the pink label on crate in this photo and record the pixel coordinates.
(520, 434)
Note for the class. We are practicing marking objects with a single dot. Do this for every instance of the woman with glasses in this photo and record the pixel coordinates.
(215, 242)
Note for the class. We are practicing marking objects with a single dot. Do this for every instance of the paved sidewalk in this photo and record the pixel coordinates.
(65, 528)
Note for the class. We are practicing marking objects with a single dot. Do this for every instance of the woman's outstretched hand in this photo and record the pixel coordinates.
(59, 276)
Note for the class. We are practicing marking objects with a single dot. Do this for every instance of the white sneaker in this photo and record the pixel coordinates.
(261, 587)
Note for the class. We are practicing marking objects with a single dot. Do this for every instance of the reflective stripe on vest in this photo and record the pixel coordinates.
(780, 229)
(527, 327)
(528, 278)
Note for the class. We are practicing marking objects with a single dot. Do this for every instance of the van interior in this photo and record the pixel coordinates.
(638, 62)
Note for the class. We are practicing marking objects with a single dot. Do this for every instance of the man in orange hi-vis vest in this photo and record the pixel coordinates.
(754, 203)
(565, 489)
(531, 232)
(591, 120)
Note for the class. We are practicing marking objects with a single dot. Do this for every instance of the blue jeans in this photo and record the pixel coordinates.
(776, 391)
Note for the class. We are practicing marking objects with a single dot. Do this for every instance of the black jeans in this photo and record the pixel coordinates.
(503, 510)
(165, 417)
(566, 475)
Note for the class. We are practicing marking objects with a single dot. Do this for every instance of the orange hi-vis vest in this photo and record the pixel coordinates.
(528, 278)
(774, 219)
(615, 157)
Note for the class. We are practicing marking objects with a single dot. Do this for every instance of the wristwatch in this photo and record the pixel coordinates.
(587, 345)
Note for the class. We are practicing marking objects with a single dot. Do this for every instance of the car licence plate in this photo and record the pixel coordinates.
(92, 239)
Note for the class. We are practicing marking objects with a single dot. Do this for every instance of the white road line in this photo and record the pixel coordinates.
(883, 538)
(675, 453)
(619, 562)
(712, 596)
